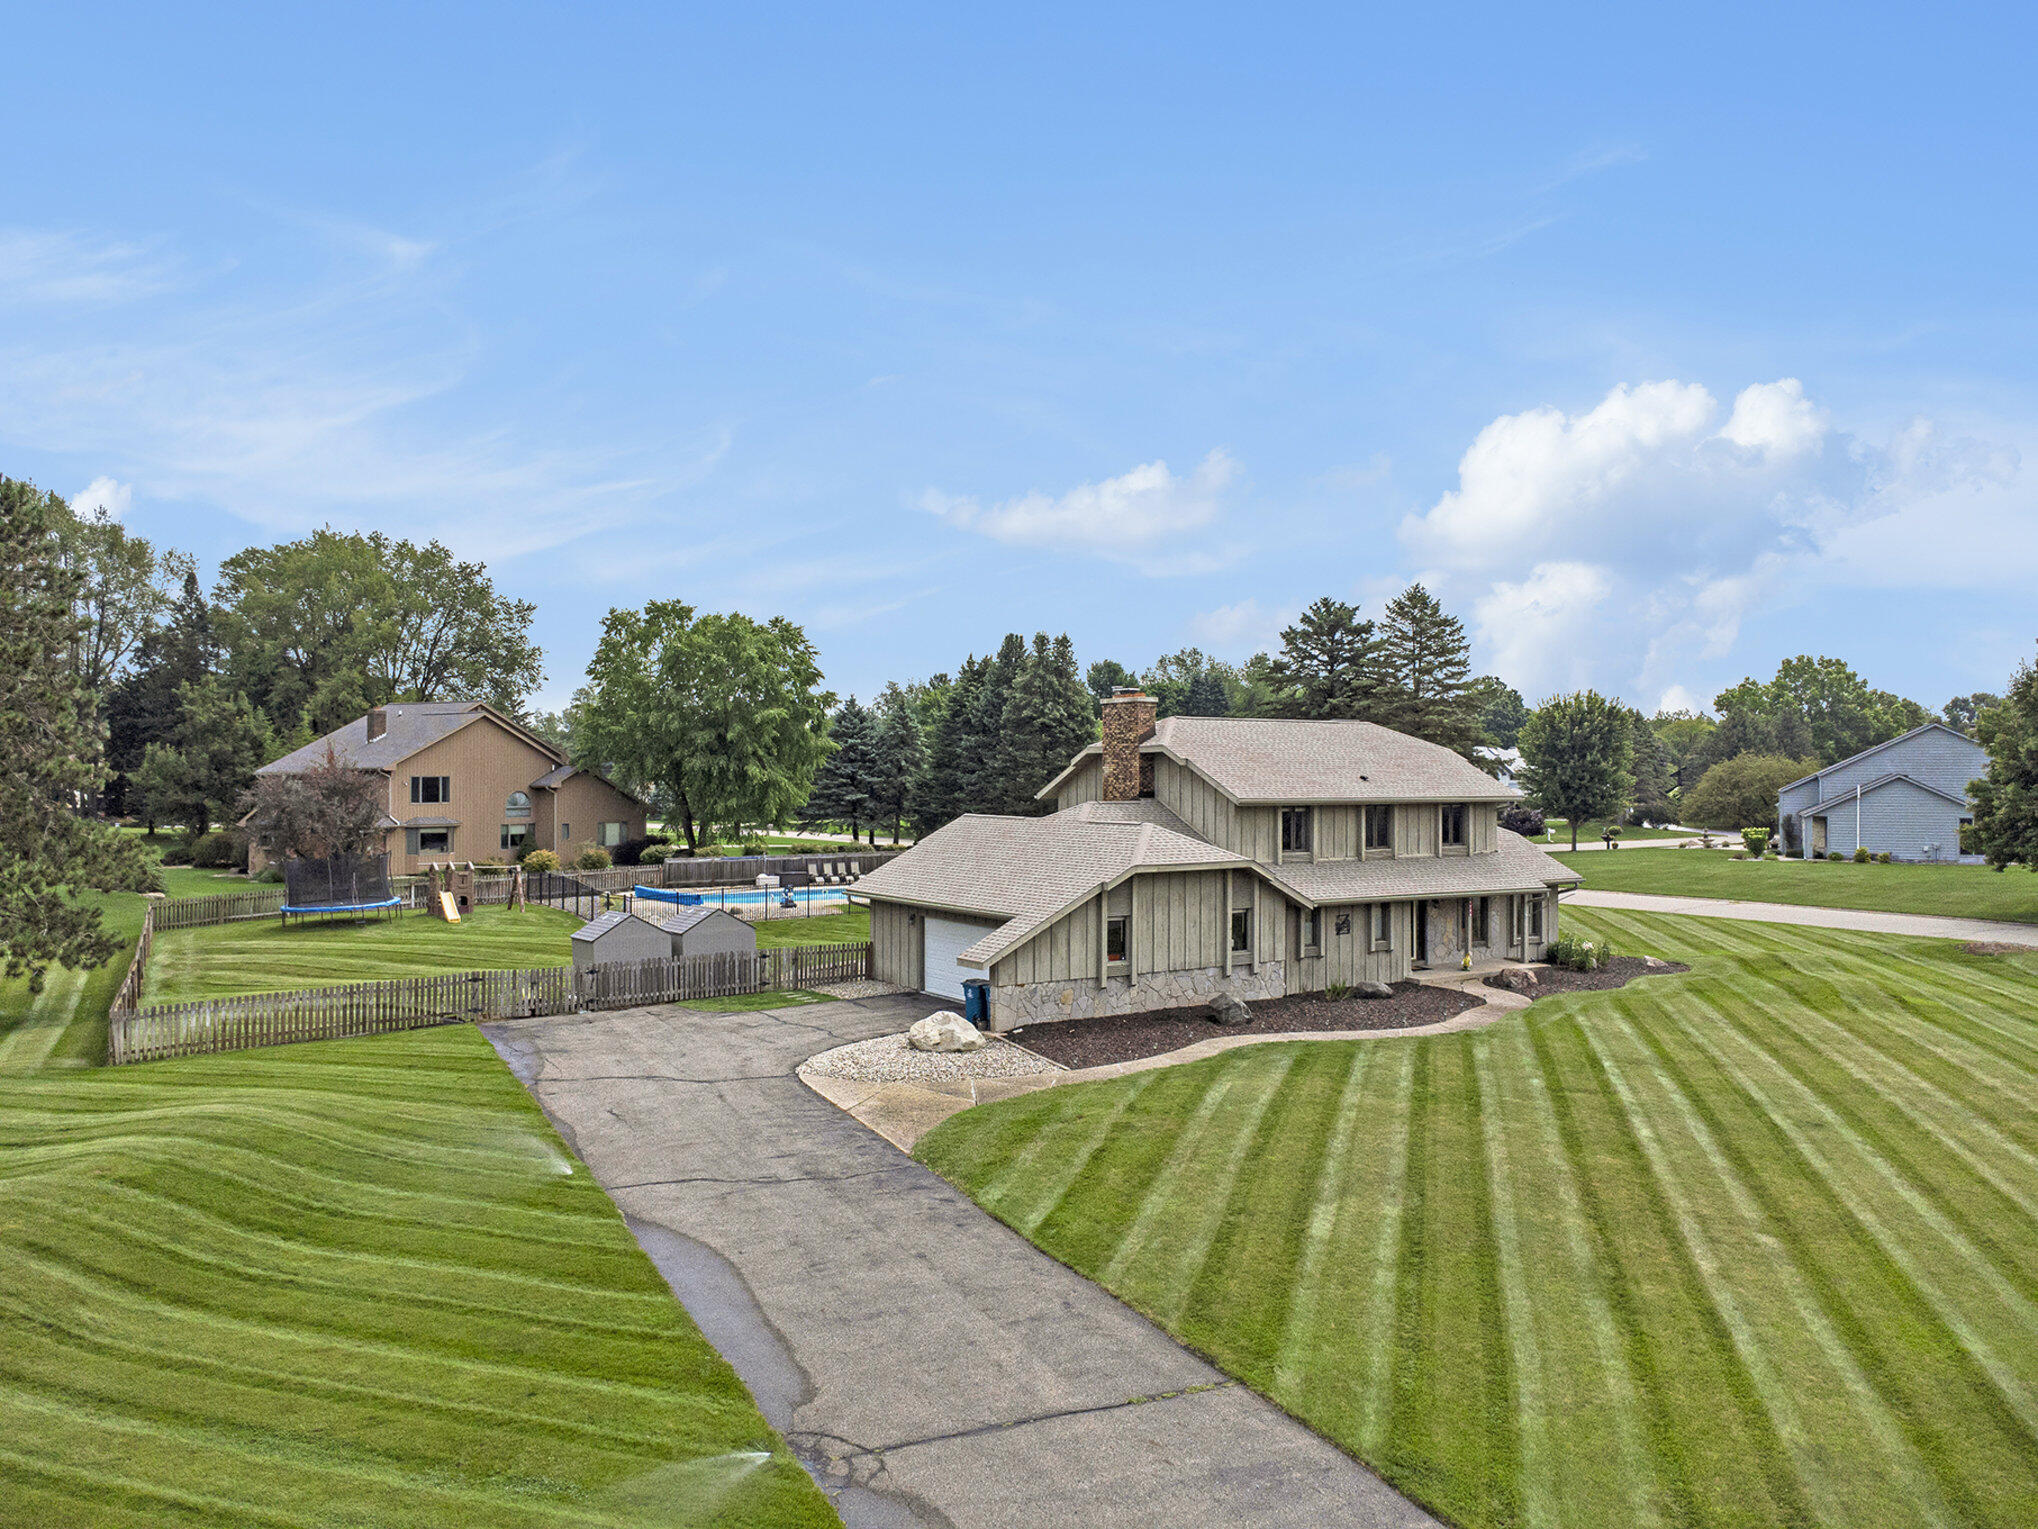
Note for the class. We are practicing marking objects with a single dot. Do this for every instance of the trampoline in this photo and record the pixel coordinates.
(339, 886)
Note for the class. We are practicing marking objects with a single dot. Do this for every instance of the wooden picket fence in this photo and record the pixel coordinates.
(216, 908)
(411, 1003)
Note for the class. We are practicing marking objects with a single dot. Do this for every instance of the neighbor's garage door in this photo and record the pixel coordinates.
(948, 938)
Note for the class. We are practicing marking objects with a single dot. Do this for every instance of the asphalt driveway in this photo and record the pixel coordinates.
(932, 1367)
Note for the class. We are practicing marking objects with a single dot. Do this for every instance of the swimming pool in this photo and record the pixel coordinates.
(740, 897)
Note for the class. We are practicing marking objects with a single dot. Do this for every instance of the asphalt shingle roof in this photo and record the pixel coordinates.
(412, 726)
(686, 918)
(1254, 759)
(602, 923)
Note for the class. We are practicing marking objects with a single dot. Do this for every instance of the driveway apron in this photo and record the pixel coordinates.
(930, 1366)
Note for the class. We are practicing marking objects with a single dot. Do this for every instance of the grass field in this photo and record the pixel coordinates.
(65, 1024)
(354, 1283)
(1588, 833)
(847, 928)
(1753, 1246)
(262, 956)
(1962, 891)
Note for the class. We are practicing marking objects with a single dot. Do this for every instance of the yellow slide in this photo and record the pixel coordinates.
(448, 909)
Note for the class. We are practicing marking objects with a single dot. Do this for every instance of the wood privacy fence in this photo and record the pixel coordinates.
(218, 908)
(412, 1003)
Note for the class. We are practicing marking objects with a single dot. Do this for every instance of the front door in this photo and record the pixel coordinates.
(1422, 934)
(1818, 836)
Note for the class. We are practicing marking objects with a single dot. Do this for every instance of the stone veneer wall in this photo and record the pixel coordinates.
(1036, 1003)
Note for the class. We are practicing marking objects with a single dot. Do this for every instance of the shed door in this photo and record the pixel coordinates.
(948, 938)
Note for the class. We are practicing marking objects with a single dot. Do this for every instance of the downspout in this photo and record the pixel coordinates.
(1857, 819)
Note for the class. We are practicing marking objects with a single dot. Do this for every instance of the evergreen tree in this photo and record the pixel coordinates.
(2006, 799)
(845, 786)
(938, 796)
(1423, 661)
(198, 773)
(1575, 752)
(143, 707)
(901, 757)
(1328, 666)
(1047, 721)
(1650, 765)
(1206, 696)
(50, 757)
(1501, 709)
(984, 787)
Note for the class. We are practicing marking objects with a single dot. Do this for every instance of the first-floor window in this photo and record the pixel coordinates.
(611, 835)
(1117, 932)
(1535, 918)
(1479, 921)
(431, 841)
(1241, 930)
(565, 833)
(1312, 928)
(1383, 926)
(513, 836)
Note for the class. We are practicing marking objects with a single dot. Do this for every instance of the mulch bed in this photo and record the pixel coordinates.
(1127, 1037)
(1618, 972)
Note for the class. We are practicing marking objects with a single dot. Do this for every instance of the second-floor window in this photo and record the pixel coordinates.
(1453, 830)
(1379, 828)
(1295, 831)
(431, 788)
(518, 806)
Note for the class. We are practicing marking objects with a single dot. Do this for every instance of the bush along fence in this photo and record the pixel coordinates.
(415, 1003)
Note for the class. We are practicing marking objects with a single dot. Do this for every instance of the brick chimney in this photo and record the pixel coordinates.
(1128, 722)
(378, 723)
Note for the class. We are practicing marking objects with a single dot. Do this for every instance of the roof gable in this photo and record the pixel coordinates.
(412, 726)
(1877, 748)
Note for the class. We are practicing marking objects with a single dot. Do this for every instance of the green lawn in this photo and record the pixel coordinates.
(1755, 1246)
(65, 1024)
(847, 928)
(352, 1283)
(262, 956)
(1589, 832)
(1965, 891)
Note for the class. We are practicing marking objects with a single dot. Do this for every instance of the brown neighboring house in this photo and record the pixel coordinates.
(467, 782)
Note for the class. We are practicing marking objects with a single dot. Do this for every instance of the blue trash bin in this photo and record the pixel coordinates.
(976, 1001)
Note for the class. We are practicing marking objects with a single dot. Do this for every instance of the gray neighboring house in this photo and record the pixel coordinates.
(1197, 855)
(706, 931)
(1906, 798)
(618, 939)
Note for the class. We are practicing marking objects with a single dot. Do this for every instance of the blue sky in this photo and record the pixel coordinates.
(1663, 346)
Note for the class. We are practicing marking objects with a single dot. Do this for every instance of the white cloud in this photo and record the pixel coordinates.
(1537, 632)
(1775, 417)
(1242, 629)
(43, 266)
(103, 496)
(1135, 517)
(1677, 698)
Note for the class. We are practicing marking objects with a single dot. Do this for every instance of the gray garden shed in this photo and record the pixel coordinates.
(707, 931)
(618, 938)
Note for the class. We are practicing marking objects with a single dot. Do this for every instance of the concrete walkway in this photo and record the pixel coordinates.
(930, 1366)
(1928, 925)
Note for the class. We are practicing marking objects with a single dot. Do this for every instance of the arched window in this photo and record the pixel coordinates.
(518, 806)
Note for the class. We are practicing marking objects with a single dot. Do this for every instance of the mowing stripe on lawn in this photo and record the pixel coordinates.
(1055, 1187)
(2014, 1389)
(1325, 1201)
(1386, 1263)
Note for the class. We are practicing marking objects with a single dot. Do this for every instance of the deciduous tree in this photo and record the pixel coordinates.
(1741, 792)
(1575, 752)
(1963, 710)
(1501, 709)
(329, 809)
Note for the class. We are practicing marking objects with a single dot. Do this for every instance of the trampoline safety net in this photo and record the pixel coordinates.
(339, 881)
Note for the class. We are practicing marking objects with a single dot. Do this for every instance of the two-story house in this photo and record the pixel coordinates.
(1200, 855)
(1906, 797)
(464, 781)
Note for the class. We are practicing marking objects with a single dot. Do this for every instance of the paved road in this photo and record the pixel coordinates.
(932, 1367)
(1814, 918)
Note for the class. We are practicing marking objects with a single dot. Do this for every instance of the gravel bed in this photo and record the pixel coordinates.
(1618, 972)
(1127, 1037)
(859, 987)
(888, 1059)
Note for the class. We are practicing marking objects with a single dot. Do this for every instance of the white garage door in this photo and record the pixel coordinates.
(948, 938)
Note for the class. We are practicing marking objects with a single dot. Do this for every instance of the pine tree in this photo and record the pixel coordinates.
(985, 787)
(844, 786)
(1424, 659)
(1206, 695)
(143, 708)
(938, 796)
(1329, 665)
(1650, 765)
(901, 757)
(1047, 720)
(196, 775)
(50, 758)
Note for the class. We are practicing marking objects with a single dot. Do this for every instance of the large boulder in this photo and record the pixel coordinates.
(1228, 1009)
(1516, 979)
(944, 1032)
(1371, 990)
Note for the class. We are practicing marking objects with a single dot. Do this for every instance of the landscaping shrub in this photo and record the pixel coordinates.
(657, 852)
(1885, 858)
(178, 853)
(1757, 839)
(753, 846)
(1861, 855)
(541, 860)
(271, 875)
(1576, 955)
(1833, 854)
(219, 851)
(1520, 818)
(593, 858)
(630, 851)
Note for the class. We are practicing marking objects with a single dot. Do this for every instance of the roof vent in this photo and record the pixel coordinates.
(378, 723)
